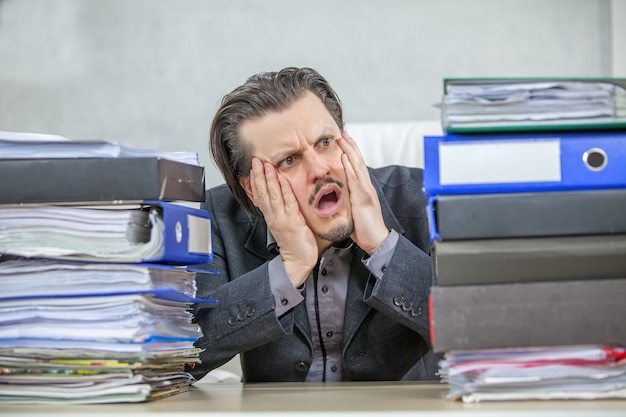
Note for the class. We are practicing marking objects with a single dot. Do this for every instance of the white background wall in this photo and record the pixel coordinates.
(150, 73)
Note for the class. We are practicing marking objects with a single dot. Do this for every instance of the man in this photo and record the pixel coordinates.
(323, 264)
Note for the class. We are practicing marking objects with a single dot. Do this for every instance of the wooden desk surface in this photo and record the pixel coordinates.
(333, 399)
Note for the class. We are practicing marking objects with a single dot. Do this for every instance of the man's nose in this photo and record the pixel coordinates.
(317, 166)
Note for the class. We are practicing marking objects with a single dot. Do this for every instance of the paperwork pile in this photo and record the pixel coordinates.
(96, 293)
(527, 196)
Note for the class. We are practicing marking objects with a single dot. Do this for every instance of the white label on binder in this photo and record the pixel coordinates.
(199, 235)
(499, 161)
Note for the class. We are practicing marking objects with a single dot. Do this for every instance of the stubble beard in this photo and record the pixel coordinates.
(339, 233)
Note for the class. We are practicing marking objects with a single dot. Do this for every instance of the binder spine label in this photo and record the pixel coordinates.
(499, 161)
(199, 234)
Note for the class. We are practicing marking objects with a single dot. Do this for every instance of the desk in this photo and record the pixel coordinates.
(333, 399)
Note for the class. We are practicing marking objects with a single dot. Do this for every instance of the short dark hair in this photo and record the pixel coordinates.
(261, 94)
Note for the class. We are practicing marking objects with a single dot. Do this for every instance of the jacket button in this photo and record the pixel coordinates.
(250, 311)
(232, 321)
(398, 301)
(417, 311)
(241, 316)
(408, 306)
(302, 367)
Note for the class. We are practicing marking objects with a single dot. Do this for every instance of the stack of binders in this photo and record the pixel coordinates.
(527, 203)
(97, 244)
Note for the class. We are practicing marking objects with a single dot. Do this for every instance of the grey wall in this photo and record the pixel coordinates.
(150, 73)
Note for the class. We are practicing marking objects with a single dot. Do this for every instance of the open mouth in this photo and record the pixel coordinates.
(328, 202)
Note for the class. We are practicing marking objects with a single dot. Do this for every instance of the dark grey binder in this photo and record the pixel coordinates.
(497, 261)
(530, 214)
(529, 314)
(61, 180)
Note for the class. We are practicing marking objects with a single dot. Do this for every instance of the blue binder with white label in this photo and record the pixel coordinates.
(150, 232)
(473, 164)
(186, 234)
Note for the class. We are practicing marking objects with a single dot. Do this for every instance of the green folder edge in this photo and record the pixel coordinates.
(618, 124)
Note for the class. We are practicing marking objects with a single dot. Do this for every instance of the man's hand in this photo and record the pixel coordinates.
(369, 227)
(275, 198)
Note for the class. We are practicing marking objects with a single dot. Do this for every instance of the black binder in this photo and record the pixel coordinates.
(65, 180)
(498, 261)
(529, 314)
(502, 215)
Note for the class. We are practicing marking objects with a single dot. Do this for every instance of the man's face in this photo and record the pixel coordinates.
(301, 143)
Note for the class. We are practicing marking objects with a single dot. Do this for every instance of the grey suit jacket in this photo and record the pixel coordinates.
(386, 321)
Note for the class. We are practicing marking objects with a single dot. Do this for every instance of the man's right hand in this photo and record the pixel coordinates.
(274, 197)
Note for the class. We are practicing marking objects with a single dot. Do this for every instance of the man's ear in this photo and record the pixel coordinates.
(247, 187)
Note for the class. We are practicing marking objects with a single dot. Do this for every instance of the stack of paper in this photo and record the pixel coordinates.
(566, 372)
(26, 145)
(526, 193)
(96, 240)
(470, 104)
(92, 333)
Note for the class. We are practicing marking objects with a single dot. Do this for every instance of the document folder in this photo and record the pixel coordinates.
(531, 314)
(504, 215)
(71, 180)
(497, 261)
(151, 232)
(481, 164)
(479, 105)
(186, 235)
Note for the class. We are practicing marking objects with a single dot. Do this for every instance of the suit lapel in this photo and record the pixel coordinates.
(257, 239)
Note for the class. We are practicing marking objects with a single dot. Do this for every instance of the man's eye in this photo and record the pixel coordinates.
(326, 142)
(288, 161)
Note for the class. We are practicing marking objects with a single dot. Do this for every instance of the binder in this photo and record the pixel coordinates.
(71, 180)
(539, 104)
(151, 232)
(517, 260)
(494, 163)
(504, 215)
(186, 235)
(527, 315)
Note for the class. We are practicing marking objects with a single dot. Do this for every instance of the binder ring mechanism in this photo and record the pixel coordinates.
(595, 159)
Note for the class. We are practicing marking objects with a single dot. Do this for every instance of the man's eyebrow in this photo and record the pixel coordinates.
(280, 155)
(325, 132)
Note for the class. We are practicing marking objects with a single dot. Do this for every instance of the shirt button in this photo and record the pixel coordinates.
(284, 302)
(324, 289)
(302, 367)
(333, 368)
(416, 312)
(324, 272)
(329, 334)
(384, 269)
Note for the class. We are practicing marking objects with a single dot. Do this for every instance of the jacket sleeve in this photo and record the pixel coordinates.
(402, 292)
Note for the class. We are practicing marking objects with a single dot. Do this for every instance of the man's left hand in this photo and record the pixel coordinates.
(369, 227)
